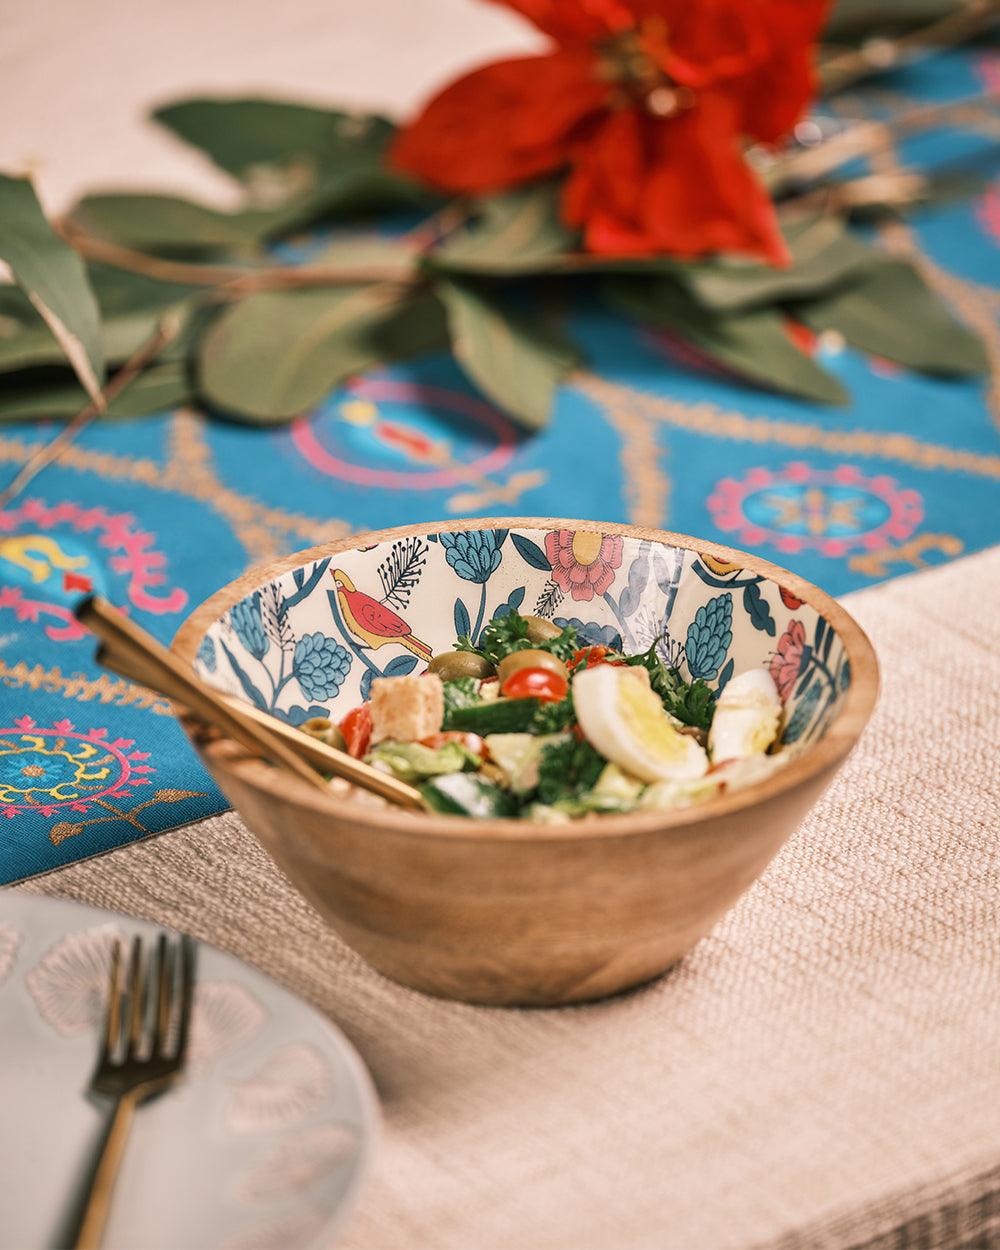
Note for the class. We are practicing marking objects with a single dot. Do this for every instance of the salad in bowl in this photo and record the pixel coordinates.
(532, 721)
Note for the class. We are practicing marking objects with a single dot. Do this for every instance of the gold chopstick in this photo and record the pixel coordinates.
(129, 650)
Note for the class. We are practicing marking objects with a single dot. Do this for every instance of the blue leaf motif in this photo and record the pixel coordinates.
(844, 676)
(474, 554)
(248, 625)
(206, 653)
(757, 609)
(306, 587)
(320, 665)
(366, 684)
(463, 625)
(709, 636)
(638, 576)
(590, 634)
(400, 666)
(249, 689)
(805, 669)
(531, 553)
(820, 631)
(513, 603)
(803, 714)
(724, 677)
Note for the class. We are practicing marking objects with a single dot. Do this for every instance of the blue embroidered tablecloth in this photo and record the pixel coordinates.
(162, 511)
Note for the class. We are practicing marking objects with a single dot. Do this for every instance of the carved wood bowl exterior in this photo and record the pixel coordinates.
(512, 912)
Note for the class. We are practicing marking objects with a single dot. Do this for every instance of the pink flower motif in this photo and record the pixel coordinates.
(786, 661)
(988, 211)
(583, 562)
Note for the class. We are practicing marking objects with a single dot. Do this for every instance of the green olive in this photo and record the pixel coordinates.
(454, 664)
(541, 630)
(325, 730)
(517, 660)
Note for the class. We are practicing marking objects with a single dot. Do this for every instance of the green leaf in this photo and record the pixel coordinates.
(752, 343)
(41, 394)
(364, 189)
(130, 306)
(275, 355)
(54, 278)
(395, 256)
(242, 134)
(823, 255)
(168, 224)
(517, 359)
(518, 232)
(888, 310)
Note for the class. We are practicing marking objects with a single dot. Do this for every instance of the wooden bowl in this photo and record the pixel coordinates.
(503, 911)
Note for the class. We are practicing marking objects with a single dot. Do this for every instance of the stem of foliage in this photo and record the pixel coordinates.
(862, 139)
(166, 331)
(233, 281)
(872, 190)
(877, 55)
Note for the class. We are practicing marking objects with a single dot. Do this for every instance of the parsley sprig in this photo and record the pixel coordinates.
(509, 633)
(568, 769)
(692, 702)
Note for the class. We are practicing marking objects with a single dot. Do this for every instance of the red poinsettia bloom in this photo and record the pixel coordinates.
(648, 103)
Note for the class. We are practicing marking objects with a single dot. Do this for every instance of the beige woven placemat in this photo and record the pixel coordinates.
(823, 1071)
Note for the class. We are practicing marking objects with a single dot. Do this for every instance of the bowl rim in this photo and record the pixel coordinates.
(839, 739)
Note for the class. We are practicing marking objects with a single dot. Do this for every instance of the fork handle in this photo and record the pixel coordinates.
(95, 1214)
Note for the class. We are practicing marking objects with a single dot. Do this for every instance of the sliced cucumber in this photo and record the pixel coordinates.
(502, 716)
(465, 794)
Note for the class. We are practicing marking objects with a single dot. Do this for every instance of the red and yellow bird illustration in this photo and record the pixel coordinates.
(372, 622)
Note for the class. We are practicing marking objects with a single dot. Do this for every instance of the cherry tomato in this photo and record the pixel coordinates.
(535, 683)
(471, 742)
(589, 656)
(357, 730)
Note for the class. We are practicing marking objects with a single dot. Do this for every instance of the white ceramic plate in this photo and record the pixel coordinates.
(261, 1148)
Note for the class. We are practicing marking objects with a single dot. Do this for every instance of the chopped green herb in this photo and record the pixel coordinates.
(553, 717)
(567, 770)
(509, 633)
(693, 702)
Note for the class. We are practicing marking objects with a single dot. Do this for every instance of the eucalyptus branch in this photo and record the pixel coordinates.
(167, 329)
(863, 139)
(887, 190)
(233, 280)
(879, 54)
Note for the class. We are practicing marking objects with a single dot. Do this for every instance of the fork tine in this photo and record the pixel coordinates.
(136, 996)
(187, 970)
(164, 993)
(113, 1011)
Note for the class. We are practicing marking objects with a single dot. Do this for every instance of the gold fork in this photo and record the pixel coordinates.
(142, 1054)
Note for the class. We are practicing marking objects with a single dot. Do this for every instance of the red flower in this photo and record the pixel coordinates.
(584, 562)
(648, 103)
(787, 660)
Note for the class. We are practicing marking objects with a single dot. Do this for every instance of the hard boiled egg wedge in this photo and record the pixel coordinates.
(624, 720)
(746, 717)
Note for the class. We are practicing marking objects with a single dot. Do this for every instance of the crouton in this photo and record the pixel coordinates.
(408, 708)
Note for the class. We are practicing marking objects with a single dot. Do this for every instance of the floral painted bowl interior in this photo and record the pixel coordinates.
(310, 642)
